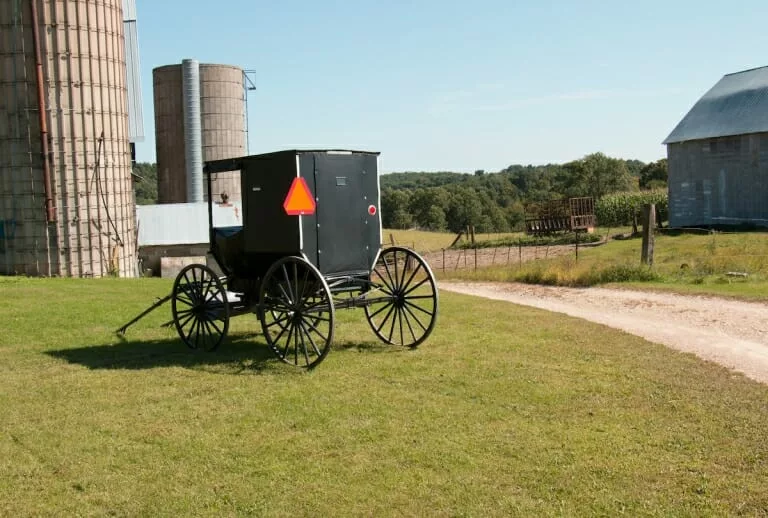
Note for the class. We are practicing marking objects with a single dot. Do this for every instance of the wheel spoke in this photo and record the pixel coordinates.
(213, 323)
(378, 329)
(311, 340)
(415, 318)
(413, 274)
(184, 300)
(414, 306)
(408, 322)
(182, 325)
(291, 296)
(391, 284)
(382, 308)
(303, 343)
(288, 341)
(278, 321)
(392, 326)
(400, 322)
(207, 335)
(295, 343)
(414, 288)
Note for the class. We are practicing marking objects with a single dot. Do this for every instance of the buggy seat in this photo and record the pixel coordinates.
(229, 244)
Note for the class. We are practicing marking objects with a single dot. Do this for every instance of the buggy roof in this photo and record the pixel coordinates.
(230, 164)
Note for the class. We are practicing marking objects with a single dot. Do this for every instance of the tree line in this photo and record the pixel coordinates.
(499, 202)
(492, 202)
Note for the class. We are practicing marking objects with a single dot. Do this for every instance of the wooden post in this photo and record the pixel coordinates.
(475, 258)
(493, 260)
(577, 246)
(472, 228)
(649, 220)
(509, 252)
(443, 259)
(392, 239)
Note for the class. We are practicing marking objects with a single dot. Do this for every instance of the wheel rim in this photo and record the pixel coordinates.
(403, 300)
(200, 308)
(296, 312)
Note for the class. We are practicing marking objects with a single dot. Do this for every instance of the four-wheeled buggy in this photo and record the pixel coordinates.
(310, 243)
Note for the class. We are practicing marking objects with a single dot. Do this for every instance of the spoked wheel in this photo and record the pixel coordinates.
(402, 299)
(296, 312)
(200, 307)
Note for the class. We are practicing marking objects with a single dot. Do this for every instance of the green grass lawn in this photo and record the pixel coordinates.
(504, 411)
(425, 241)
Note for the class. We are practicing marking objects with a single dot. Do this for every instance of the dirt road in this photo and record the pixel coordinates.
(731, 333)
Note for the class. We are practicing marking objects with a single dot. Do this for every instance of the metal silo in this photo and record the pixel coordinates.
(66, 194)
(222, 123)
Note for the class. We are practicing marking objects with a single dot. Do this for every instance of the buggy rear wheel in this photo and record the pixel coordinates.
(200, 307)
(296, 312)
(402, 300)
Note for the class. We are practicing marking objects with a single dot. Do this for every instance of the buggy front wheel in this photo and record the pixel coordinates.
(296, 312)
(200, 307)
(402, 299)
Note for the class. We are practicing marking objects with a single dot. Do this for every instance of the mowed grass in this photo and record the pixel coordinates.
(505, 411)
(425, 241)
(684, 263)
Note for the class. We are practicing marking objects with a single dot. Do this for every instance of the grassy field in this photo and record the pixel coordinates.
(684, 263)
(505, 411)
(424, 241)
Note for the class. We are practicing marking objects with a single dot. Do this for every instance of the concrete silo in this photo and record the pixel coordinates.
(66, 194)
(220, 94)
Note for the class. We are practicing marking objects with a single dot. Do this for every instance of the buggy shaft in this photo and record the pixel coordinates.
(154, 306)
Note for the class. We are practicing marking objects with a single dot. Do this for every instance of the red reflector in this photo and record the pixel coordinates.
(372, 210)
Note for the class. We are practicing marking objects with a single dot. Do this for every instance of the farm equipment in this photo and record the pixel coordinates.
(310, 244)
(566, 215)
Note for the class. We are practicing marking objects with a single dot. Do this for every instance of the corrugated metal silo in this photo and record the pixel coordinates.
(222, 112)
(66, 194)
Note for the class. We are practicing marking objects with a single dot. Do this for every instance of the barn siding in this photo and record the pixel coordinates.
(720, 181)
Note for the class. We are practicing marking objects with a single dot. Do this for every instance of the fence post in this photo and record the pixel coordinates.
(577, 246)
(649, 219)
(493, 260)
(475, 258)
(509, 252)
(443, 259)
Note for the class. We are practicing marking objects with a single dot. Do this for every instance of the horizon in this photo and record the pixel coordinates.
(442, 86)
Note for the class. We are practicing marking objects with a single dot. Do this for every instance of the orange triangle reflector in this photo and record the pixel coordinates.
(299, 200)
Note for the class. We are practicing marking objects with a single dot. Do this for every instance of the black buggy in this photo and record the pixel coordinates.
(310, 243)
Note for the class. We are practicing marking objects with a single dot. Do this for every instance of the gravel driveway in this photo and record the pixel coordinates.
(731, 333)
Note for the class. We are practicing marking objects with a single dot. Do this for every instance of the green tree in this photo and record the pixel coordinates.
(145, 183)
(654, 175)
(595, 175)
(421, 203)
(465, 208)
(394, 209)
(435, 220)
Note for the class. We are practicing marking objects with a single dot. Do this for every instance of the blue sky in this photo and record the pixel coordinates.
(456, 85)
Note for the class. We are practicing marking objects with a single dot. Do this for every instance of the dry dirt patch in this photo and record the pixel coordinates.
(731, 333)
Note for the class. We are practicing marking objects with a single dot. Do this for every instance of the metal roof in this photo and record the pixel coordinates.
(133, 76)
(736, 105)
(183, 223)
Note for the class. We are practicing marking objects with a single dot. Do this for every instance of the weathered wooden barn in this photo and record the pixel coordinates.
(718, 156)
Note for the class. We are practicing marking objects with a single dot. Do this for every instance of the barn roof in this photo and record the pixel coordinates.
(736, 105)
